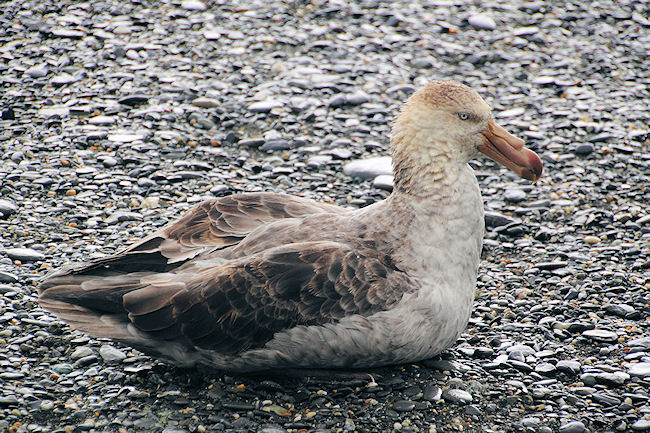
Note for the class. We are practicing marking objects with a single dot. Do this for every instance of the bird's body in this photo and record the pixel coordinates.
(266, 281)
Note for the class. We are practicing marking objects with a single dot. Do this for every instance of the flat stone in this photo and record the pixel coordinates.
(572, 427)
(134, 99)
(102, 120)
(643, 342)
(254, 142)
(584, 149)
(457, 396)
(514, 195)
(617, 378)
(193, 5)
(642, 424)
(369, 168)
(264, 106)
(641, 369)
(601, 335)
(7, 277)
(496, 219)
(125, 137)
(111, 354)
(568, 367)
(404, 406)
(205, 102)
(383, 181)
(7, 208)
(24, 254)
(37, 71)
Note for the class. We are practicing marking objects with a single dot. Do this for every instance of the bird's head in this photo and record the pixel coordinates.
(446, 122)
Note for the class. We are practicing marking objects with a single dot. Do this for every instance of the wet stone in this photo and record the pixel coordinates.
(404, 405)
(457, 396)
(431, 392)
(111, 354)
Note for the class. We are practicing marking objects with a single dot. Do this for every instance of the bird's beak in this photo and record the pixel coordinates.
(505, 148)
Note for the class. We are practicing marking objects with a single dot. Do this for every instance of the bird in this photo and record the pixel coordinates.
(267, 281)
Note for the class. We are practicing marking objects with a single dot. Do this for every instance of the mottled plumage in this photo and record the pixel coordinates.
(261, 281)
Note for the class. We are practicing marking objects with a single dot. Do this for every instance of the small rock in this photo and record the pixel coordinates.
(135, 99)
(111, 354)
(495, 219)
(81, 352)
(7, 208)
(204, 102)
(584, 149)
(457, 396)
(264, 106)
(641, 425)
(514, 195)
(369, 168)
(572, 427)
(482, 21)
(601, 335)
(383, 181)
(37, 71)
(357, 98)
(643, 342)
(568, 367)
(403, 405)
(193, 5)
(641, 369)
(24, 254)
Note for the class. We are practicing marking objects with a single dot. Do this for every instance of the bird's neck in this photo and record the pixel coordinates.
(422, 169)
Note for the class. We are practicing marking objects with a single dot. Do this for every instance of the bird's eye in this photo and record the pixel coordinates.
(463, 116)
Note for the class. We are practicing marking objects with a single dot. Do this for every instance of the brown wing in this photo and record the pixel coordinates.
(242, 304)
(209, 226)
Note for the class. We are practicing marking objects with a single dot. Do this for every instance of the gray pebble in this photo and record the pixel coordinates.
(111, 354)
(514, 195)
(642, 424)
(457, 396)
(572, 427)
(601, 335)
(482, 21)
(641, 369)
(24, 254)
(404, 406)
(584, 149)
(369, 168)
(7, 208)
